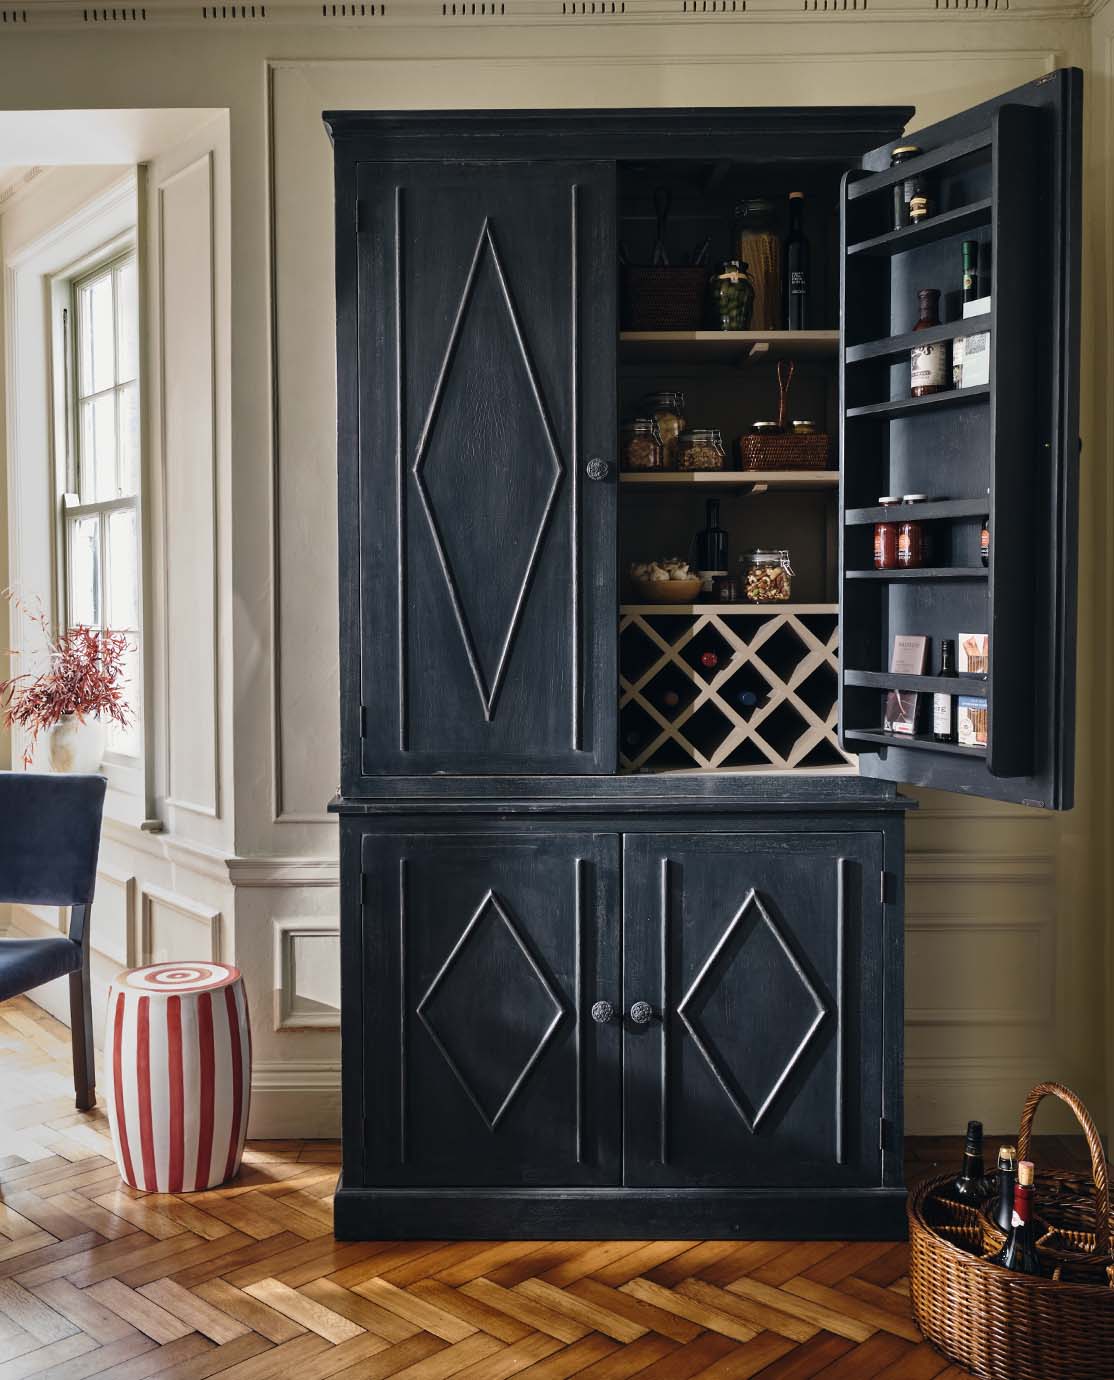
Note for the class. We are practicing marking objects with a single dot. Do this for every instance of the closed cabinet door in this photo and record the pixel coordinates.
(484, 955)
(479, 566)
(753, 994)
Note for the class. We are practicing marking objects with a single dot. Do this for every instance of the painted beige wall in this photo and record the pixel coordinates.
(991, 890)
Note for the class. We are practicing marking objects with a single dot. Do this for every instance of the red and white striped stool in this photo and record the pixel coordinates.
(178, 1054)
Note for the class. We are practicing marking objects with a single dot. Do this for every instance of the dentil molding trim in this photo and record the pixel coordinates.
(58, 14)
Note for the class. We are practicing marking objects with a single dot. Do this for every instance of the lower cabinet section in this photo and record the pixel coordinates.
(555, 1029)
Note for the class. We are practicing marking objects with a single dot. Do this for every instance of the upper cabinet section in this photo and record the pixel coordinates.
(476, 316)
(959, 387)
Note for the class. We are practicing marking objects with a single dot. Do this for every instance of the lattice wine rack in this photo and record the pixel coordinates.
(743, 686)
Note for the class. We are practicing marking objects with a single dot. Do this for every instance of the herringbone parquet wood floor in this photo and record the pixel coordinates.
(248, 1283)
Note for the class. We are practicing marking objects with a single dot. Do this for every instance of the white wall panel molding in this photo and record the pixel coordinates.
(284, 872)
(307, 973)
(173, 926)
(186, 332)
(113, 929)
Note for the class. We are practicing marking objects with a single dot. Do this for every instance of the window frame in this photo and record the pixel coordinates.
(126, 774)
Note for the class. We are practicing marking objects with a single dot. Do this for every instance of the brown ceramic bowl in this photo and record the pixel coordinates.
(666, 591)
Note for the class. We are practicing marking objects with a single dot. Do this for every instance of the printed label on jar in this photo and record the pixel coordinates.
(928, 365)
(941, 713)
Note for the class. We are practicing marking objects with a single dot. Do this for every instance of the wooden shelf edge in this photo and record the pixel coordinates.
(752, 479)
(917, 742)
(732, 609)
(944, 572)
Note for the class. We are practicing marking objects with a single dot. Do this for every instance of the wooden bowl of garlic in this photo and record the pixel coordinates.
(669, 581)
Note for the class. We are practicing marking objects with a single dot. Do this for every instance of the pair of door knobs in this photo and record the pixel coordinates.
(641, 1012)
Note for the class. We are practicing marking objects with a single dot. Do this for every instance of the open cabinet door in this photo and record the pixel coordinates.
(1006, 174)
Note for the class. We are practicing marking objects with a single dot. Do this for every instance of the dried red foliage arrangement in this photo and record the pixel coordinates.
(85, 678)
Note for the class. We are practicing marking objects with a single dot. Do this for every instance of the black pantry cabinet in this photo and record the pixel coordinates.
(621, 883)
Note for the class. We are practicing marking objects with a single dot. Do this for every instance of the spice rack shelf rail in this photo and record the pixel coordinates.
(898, 740)
(929, 685)
(936, 509)
(950, 152)
(909, 407)
(938, 227)
(725, 347)
(897, 347)
(756, 480)
(926, 572)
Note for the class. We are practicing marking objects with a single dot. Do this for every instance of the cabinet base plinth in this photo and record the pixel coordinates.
(785, 1214)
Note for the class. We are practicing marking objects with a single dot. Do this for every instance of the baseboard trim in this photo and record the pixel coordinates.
(295, 1099)
(864, 1214)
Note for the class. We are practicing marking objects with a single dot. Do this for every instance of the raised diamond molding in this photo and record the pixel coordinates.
(488, 680)
(753, 1115)
(490, 906)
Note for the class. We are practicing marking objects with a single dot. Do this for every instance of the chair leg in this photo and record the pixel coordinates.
(81, 1034)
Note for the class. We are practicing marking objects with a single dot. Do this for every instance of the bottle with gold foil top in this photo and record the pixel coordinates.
(928, 364)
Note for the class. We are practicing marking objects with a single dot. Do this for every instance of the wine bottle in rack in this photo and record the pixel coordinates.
(1007, 1179)
(1020, 1251)
(970, 1186)
(970, 270)
(928, 364)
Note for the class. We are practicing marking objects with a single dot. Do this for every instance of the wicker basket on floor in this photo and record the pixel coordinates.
(1006, 1326)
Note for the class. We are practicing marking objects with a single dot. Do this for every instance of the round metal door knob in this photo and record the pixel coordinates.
(642, 1013)
(602, 1012)
(596, 468)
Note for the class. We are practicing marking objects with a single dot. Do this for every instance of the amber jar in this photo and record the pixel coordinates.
(910, 536)
(668, 411)
(885, 537)
(640, 445)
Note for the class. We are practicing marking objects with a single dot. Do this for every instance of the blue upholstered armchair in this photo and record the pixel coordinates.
(50, 833)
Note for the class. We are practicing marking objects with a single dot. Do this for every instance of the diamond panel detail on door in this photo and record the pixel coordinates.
(754, 1058)
(484, 955)
(485, 518)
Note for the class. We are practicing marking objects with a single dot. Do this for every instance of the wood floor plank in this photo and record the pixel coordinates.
(470, 1310)
(878, 1319)
(97, 1361)
(630, 1360)
(141, 1312)
(427, 1316)
(592, 1315)
(390, 1363)
(672, 1302)
(757, 1315)
(193, 1311)
(312, 1315)
(44, 1357)
(828, 1318)
(30, 1313)
(359, 1310)
(758, 1353)
(101, 1323)
(260, 1317)
(645, 1314)
(526, 1310)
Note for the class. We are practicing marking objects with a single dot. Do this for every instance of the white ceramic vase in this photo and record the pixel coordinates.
(76, 745)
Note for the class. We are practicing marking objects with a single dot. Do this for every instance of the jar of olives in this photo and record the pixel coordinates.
(733, 296)
(701, 450)
(641, 446)
(668, 411)
(767, 576)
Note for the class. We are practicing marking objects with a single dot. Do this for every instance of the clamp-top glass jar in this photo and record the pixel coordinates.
(641, 446)
(701, 450)
(668, 411)
(767, 576)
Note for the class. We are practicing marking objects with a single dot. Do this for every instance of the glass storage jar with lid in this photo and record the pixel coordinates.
(640, 445)
(732, 293)
(758, 244)
(701, 449)
(767, 576)
(668, 411)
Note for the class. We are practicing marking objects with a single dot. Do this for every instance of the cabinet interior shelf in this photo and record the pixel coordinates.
(909, 407)
(712, 607)
(944, 685)
(924, 572)
(899, 740)
(933, 228)
(950, 152)
(939, 508)
(897, 347)
(725, 347)
(756, 481)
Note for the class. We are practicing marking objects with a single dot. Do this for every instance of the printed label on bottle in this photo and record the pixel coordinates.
(1016, 1220)
(941, 713)
(928, 364)
(798, 284)
(968, 281)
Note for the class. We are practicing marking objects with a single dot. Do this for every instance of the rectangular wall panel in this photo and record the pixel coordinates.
(186, 322)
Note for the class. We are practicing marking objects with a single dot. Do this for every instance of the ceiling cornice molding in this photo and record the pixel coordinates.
(41, 15)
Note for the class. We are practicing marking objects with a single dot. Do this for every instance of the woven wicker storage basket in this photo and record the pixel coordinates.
(784, 450)
(1006, 1326)
(660, 297)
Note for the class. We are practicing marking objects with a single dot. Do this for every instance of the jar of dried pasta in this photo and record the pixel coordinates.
(640, 445)
(668, 411)
(758, 243)
(767, 576)
(701, 450)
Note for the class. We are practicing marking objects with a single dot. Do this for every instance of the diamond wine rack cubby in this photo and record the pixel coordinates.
(744, 686)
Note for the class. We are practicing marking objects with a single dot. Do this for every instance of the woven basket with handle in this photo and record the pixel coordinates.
(784, 450)
(1006, 1326)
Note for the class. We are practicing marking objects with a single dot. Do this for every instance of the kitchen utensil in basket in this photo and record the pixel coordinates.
(1006, 1326)
(784, 450)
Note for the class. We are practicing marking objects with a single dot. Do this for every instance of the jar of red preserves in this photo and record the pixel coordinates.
(910, 536)
(885, 537)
